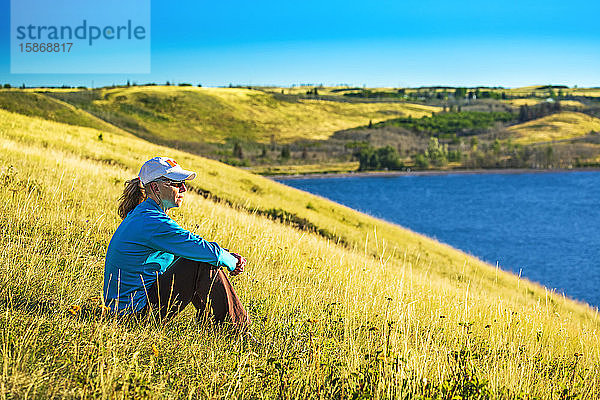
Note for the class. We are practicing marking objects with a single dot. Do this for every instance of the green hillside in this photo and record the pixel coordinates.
(347, 306)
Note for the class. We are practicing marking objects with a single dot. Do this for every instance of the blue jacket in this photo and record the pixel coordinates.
(145, 244)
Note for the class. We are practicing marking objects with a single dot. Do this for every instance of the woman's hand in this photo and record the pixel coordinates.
(239, 267)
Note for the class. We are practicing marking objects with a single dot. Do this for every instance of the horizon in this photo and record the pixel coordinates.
(293, 85)
(414, 44)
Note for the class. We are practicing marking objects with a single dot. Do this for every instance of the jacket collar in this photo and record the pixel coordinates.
(150, 204)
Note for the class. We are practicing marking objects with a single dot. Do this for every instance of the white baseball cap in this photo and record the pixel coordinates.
(166, 167)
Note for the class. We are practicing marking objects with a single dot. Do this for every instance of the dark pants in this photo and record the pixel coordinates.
(201, 284)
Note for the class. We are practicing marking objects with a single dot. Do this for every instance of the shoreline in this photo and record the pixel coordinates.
(427, 173)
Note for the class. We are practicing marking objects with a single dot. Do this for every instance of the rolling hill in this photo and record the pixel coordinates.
(555, 127)
(197, 116)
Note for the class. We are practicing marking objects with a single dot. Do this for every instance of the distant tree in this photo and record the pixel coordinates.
(370, 158)
(237, 151)
(496, 147)
(273, 143)
(168, 83)
(304, 153)
(7, 86)
(128, 83)
(524, 113)
(23, 86)
(421, 161)
(370, 125)
(285, 151)
(549, 156)
(460, 92)
(437, 153)
(264, 151)
(474, 143)
(389, 158)
(199, 85)
(454, 156)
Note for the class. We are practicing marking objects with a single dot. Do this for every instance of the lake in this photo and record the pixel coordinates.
(546, 225)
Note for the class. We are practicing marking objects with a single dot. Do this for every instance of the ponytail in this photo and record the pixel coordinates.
(133, 194)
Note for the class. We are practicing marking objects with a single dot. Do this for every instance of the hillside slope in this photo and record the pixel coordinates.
(560, 126)
(39, 104)
(348, 306)
(197, 115)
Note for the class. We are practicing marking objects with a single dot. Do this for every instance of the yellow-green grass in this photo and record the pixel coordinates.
(323, 168)
(572, 103)
(543, 91)
(590, 92)
(560, 126)
(187, 115)
(386, 315)
(523, 102)
(534, 101)
(34, 103)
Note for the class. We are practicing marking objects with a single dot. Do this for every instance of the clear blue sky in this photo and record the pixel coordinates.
(373, 43)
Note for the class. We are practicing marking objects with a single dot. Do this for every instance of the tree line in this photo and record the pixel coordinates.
(450, 124)
(527, 113)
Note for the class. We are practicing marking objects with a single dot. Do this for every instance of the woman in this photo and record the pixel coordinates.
(153, 263)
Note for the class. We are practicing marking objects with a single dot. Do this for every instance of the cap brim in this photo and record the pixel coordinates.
(182, 175)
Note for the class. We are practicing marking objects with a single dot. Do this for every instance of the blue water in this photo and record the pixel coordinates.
(546, 225)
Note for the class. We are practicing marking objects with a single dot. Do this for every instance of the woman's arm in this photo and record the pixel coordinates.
(168, 236)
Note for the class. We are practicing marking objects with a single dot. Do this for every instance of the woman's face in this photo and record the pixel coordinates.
(170, 193)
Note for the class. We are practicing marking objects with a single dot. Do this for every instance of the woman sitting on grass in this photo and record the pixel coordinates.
(153, 263)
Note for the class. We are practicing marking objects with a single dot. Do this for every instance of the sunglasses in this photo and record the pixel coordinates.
(176, 184)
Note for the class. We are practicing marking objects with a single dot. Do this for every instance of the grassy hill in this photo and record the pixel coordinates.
(39, 104)
(560, 126)
(534, 101)
(346, 305)
(214, 115)
(295, 132)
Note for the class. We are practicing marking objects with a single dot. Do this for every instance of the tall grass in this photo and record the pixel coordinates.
(383, 313)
